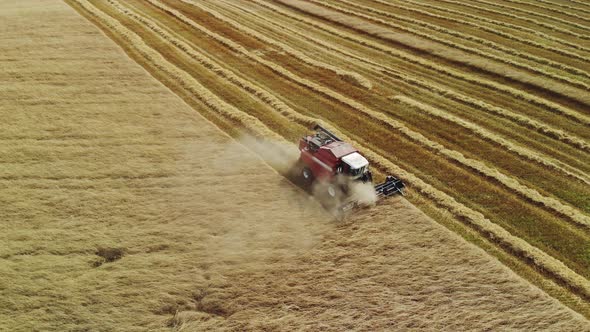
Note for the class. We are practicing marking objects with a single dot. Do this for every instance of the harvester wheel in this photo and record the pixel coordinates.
(307, 176)
(332, 191)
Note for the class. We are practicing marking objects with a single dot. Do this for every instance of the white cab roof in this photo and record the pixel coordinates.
(355, 160)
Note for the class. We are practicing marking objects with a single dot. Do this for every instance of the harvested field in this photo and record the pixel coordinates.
(136, 202)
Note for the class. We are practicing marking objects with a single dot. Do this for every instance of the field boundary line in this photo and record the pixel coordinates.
(491, 137)
(524, 96)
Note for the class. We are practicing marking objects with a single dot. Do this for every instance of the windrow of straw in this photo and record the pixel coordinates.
(155, 59)
(522, 120)
(476, 165)
(285, 110)
(496, 233)
(480, 18)
(348, 76)
(247, 86)
(509, 13)
(557, 11)
(485, 42)
(492, 137)
(582, 3)
(495, 31)
(519, 94)
(575, 90)
(531, 13)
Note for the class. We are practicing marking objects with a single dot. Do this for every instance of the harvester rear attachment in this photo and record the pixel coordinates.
(391, 186)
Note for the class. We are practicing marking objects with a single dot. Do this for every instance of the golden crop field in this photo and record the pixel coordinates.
(128, 206)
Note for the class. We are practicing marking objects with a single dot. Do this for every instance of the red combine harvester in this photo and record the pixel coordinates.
(327, 159)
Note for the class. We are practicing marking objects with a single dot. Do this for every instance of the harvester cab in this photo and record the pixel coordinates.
(326, 158)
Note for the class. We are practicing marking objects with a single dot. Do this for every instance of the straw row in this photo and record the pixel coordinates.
(519, 94)
(492, 137)
(478, 104)
(491, 44)
(509, 13)
(480, 64)
(503, 34)
(476, 165)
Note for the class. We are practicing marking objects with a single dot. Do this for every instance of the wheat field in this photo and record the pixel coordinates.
(145, 142)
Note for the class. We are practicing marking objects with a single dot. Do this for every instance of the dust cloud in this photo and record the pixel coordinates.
(363, 193)
(260, 215)
(281, 156)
